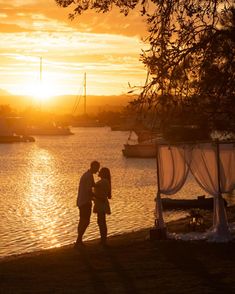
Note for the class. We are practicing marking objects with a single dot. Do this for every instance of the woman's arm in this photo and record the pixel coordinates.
(102, 190)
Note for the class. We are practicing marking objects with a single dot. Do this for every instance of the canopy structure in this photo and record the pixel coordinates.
(213, 166)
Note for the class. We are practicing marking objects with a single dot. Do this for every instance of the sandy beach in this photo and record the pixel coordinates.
(130, 264)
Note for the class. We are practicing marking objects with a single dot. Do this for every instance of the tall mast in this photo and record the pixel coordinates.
(40, 91)
(84, 93)
(41, 70)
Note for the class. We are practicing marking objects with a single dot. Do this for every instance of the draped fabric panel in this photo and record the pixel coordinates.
(204, 167)
(213, 167)
(227, 167)
(202, 160)
(173, 171)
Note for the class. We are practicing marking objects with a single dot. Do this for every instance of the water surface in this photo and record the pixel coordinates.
(38, 184)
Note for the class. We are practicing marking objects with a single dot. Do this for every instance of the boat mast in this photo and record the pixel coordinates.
(40, 69)
(40, 83)
(85, 94)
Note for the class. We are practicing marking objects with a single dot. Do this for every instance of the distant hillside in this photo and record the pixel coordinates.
(67, 103)
(4, 93)
(15, 101)
(94, 103)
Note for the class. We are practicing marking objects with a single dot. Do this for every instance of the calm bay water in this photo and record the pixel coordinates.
(38, 188)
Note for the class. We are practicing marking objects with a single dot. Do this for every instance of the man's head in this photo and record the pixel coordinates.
(95, 166)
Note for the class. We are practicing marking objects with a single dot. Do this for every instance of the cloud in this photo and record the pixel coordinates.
(66, 42)
(106, 46)
(46, 15)
(3, 15)
(110, 59)
(12, 28)
(19, 3)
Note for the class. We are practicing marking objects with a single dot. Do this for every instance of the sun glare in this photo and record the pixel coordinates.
(42, 92)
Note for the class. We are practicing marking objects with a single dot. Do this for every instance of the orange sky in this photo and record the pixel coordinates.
(105, 46)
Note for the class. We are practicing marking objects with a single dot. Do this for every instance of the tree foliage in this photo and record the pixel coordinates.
(6, 110)
(190, 60)
(79, 6)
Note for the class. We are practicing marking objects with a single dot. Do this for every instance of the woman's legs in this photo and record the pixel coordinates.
(101, 220)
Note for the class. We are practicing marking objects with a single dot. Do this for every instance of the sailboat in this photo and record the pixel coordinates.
(144, 143)
(84, 120)
(140, 150)
(46, 128)
(143, 149)
(49, 129)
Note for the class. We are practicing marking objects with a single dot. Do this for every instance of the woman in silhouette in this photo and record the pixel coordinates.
(102, 193)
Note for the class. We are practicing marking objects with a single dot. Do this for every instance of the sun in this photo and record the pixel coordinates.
(43, 92)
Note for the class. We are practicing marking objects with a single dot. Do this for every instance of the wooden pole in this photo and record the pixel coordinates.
(158, 172)
(159, 231)
(160, 220)
(221, 222)
(218, 165)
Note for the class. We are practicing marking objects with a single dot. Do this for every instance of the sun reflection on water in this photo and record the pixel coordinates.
(42, 198)
(39, 187)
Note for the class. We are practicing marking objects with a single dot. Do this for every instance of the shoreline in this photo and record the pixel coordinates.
(174, 226)
(130, 264)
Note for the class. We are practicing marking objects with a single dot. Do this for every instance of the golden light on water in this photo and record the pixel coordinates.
(42, 199)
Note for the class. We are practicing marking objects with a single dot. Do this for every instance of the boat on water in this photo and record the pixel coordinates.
(5, 139)
(140, 150)
(8, 134)
(86, 122)
(49, 130)
(201, 202)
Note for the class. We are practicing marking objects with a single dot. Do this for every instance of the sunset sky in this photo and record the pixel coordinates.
(105, 46)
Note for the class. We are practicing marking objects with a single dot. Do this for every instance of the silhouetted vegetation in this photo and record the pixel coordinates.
(190, 62)
(6, 110)
(34, 116)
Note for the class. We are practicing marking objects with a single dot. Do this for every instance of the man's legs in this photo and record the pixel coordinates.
(85, 215)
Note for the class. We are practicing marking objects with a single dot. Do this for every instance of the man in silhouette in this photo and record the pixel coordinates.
(84, 200)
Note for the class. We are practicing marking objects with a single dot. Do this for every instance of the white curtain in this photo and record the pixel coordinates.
(173, 164)
(202, 160)
(172, 174)
(213, 167)
(173, 168)
(227, 167)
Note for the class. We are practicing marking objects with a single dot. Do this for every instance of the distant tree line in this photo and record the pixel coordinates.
(32, 116)
(190, 61)
(6, 110)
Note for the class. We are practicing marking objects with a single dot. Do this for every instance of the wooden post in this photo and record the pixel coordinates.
(157, 163)
(218, 165)
(159, 230)
(220, 218)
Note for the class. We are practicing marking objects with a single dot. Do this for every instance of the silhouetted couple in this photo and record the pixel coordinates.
(99, 192)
